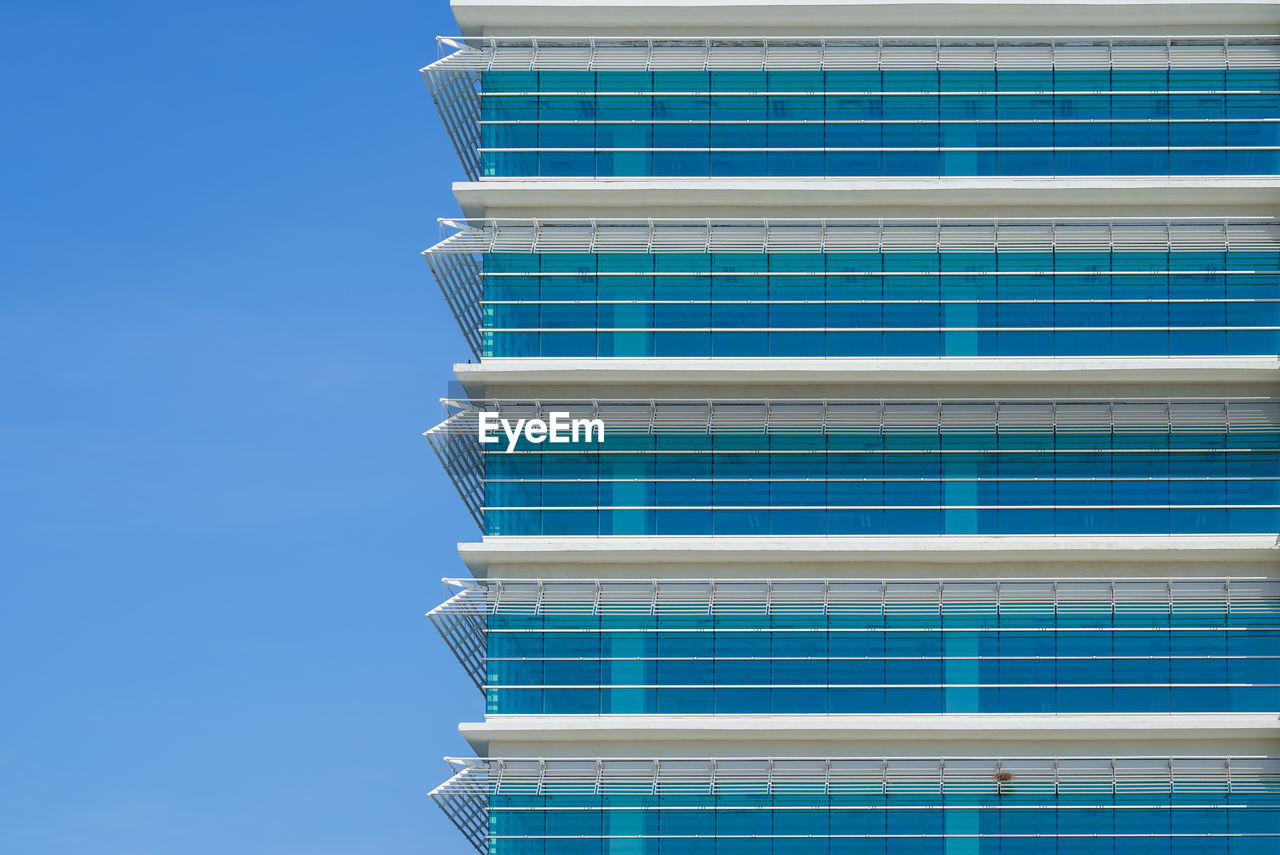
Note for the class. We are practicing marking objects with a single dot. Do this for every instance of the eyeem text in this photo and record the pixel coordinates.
(559, 429)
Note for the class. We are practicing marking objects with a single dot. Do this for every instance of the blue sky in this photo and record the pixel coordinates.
(221, 346)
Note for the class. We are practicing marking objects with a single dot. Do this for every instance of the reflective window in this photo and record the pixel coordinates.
(1076, 482)
(881, 304)
(894, 647)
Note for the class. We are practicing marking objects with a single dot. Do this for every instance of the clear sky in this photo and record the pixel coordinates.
(222, 527)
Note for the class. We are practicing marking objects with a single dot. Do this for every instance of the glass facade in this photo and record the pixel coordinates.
(888, 122)
(698, 108)
(925, 468)
(904, 304)
(865, 289)
(1068, 806)
(1092, 640)
(1086, 655)
(610, 646)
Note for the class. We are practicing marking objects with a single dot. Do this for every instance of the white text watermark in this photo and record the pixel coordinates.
(558, 429)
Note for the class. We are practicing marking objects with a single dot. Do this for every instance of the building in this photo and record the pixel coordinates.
(937, 346)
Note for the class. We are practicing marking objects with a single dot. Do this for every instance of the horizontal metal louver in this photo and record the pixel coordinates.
(728, 56)
(1140, 416)
(1191, 415)
(1198, 236)
(567, 57)
(857, 235)
(483, 53)
(619, 56)
(853, 417)
(1026, 415)
(909, 56)
(851, 56)
(1253, 415)
(1082, 55)
(1023, 237)
(1035, 57)
(965, 57)
(1258, 54)
(711, 774)
(906, 238)
(1082, 416)
(818, 416)
(976, 237)
(462, 619)
(518, 237)
(966, 418)
(1248, 235)
(1156, 55)
(1136, 237)
(794, 236)
(1082, 237)
(722, 238)
(1190, 55)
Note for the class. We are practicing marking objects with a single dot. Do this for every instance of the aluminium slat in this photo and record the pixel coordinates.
(464, 800)
(907, 56)
(1253, 54)
(456, 96)
(1081, 55)
(794, 55)
(474, 54)
(1141, 56)
(909, 416)
(685, 772)
(671, 55)
(1015, 57)
(459, 278)
(966, 57)
(1197, 55)
(494, 594)
(644, 236)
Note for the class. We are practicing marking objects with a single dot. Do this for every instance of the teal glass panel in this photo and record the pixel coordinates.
(849, 123)
(955, 304)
